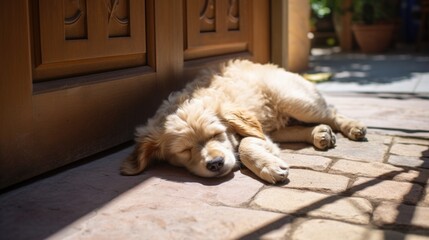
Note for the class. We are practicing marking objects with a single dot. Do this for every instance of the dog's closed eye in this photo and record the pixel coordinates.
(182, 157)
(219, 136)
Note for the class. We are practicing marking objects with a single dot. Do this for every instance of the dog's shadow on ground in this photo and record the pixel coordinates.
(178, 174)
(181, 175)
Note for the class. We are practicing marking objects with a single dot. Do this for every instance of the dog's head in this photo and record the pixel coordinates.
(202, 139)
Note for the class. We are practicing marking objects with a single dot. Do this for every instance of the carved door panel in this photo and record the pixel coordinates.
(216, 27)
(219, 27)
(79, 75)
(83, 36)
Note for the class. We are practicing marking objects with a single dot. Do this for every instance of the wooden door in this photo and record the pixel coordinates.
(78, 75)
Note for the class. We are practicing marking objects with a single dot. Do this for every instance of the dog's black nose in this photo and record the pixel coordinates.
(216, 164)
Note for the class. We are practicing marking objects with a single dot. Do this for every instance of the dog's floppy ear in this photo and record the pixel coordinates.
(147, 147)
(245, 124)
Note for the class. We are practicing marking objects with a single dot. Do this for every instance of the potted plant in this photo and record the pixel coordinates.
(374, 24)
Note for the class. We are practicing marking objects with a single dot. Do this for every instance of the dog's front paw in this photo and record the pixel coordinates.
(275, 172)
(323, 137)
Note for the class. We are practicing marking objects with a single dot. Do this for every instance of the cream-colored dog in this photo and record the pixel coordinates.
(231, 115)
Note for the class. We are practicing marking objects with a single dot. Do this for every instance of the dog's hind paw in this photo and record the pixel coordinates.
(357, 132)
(275, 172)
(323, 137)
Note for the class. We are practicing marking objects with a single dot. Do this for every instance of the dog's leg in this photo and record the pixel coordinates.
(321, 136)
(262, 158)
(351, 128)
(321, 113)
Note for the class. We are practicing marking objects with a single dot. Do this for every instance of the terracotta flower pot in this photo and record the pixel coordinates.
(373, 38)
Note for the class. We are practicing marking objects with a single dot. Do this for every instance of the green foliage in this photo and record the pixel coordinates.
(321, 8)
(364, 11)
(373, 11)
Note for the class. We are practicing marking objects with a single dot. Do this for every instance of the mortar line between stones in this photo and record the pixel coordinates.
(332, 163)
(247, 203)
(389, 147)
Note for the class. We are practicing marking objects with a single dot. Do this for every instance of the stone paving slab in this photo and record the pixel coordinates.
(317, 181)
(380, 190)
(312, 162)
(400, 214)
(405, 161)
(350, 209)
(411, 150)
(380, 170)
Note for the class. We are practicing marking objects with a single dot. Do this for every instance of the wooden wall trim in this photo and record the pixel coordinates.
(279, 32)
(289, 34)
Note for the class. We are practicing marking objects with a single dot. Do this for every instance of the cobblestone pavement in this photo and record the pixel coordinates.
(376, 189)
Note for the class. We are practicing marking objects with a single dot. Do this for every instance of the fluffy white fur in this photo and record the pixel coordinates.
(232, 114)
